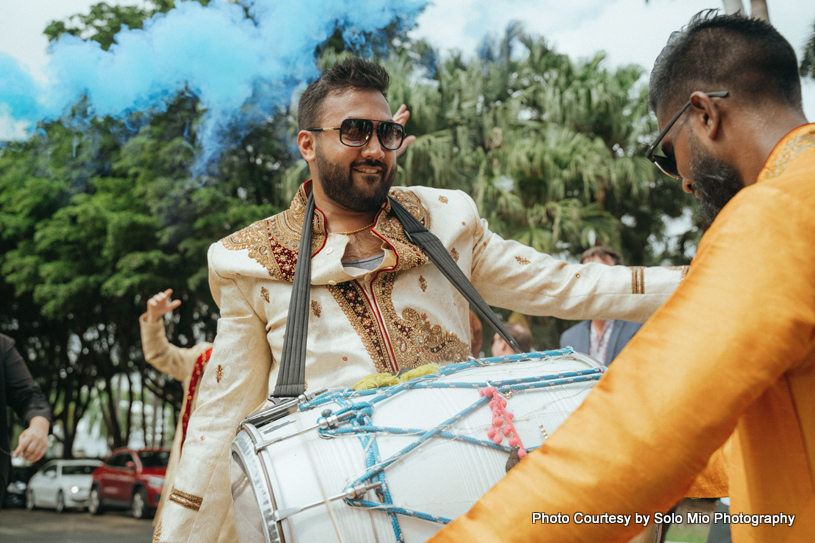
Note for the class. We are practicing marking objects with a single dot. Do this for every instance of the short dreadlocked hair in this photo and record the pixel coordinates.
(747, 57)
(351, 73)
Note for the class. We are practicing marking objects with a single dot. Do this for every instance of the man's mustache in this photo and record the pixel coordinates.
(371, 163)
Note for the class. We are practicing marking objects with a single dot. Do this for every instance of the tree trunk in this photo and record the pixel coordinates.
(129, 418)
(158, 419)
(732, 7)
(80, 407)
(758, 10)
(112, 414)
(147, 442)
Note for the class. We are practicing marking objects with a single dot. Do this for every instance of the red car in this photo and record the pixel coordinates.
(129, 478)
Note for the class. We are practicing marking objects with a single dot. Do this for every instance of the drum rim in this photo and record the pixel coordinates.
(246, 444)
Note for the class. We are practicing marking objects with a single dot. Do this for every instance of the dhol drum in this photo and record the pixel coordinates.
(397, 463)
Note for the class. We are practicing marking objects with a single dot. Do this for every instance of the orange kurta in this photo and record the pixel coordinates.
(731, 352)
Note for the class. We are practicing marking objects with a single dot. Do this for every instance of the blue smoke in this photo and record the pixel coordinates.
(241, 68)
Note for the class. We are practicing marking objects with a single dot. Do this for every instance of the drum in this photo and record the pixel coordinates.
(397, 463)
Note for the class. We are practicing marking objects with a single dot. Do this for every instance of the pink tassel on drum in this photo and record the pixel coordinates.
(502, 417)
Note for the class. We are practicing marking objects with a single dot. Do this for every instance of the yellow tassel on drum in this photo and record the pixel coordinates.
(379, 380)
(376, 380)
(427, 369)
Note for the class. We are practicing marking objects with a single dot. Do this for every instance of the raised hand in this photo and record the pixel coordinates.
(160, 304)
(401, 116)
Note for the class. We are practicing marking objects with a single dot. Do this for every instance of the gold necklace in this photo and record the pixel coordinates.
(355, 231)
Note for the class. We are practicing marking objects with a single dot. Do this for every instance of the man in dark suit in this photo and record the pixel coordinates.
(18, 391)
(602, 340)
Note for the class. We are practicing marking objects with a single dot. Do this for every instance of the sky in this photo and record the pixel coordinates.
(630, 31)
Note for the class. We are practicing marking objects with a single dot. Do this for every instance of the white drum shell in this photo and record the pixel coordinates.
(442, 477)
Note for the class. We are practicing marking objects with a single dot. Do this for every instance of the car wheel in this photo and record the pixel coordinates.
(60, 507)
(138, 504)
(95, 502)
(29, 500)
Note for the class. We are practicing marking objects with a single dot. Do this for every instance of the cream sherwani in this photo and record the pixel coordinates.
(403, 314)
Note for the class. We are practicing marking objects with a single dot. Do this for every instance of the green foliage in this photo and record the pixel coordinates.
(103, 21)
(550, 149)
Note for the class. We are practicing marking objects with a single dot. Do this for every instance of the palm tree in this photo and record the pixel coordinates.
(550, 149)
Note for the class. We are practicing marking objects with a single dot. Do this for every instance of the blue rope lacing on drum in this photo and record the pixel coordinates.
(361, 403)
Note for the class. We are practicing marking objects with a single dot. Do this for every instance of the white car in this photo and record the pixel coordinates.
(60, 484)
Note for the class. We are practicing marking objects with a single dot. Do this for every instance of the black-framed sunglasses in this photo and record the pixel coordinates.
(668, 163)
(357, 132)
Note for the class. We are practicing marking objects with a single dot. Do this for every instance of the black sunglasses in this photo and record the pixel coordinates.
(357, 132)
(668, 163)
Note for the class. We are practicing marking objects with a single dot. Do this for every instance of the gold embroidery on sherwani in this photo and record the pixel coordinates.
(792, 149)
(415, 341)
(186, 500)
(454, 254)
(316, 309)
(523, 261)
(352, 300)
(264, 293)
(422, 283)
(274, 243)
(637, 280)
(443, 199)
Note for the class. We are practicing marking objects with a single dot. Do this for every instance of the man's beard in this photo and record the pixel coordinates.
(338, 185)
(715, 181)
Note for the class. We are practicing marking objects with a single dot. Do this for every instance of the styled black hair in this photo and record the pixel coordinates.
(747, 57)
(351, 73)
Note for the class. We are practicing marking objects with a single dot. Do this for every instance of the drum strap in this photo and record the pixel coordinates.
(291, 378)
(432, 246)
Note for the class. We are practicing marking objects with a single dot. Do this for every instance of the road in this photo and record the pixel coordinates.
(43, 526)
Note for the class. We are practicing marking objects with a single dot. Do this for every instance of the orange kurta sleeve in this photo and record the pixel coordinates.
(714, 481)
(741, 319)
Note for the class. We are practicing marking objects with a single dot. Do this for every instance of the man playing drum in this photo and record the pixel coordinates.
(732, 352)
(375, 306)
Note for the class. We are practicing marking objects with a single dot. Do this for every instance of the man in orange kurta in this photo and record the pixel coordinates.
(731, 354)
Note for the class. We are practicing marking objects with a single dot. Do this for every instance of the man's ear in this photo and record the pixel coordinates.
(306, 143)
(706, 114)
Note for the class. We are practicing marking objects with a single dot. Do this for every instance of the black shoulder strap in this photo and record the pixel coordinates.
(291, 378)
(432, 246)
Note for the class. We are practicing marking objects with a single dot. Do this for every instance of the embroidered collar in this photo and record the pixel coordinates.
(275, 242)
(787, 150)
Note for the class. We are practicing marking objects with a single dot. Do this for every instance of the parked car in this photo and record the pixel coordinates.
(18, 482)
(61, 484)
(130, 478)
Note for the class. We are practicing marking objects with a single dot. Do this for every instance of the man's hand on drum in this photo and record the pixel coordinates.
(160, 304)
(401, 116)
